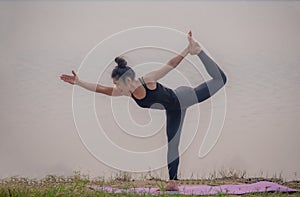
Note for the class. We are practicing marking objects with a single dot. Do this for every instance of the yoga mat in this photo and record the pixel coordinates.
(261, 186)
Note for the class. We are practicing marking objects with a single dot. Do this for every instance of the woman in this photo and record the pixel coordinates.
(149, 93)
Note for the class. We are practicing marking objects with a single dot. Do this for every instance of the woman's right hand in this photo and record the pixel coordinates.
(70, 79)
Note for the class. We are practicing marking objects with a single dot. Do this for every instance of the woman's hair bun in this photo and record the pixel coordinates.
(121, 62)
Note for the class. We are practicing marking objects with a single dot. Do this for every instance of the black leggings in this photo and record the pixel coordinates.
(189, 96)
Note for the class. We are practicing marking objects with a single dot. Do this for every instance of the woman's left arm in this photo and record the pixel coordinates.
(170, 65)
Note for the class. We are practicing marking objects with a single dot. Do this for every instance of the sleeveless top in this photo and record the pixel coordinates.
(159, 98)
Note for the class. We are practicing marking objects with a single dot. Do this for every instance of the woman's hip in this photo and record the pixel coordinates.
(186, 96)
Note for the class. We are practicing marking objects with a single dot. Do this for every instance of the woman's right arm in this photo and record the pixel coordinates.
(110, 91)
(74, 80)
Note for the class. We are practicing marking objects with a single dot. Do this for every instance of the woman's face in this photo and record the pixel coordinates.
(124, 87)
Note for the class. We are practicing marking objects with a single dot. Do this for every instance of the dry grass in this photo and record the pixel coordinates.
(75, 185)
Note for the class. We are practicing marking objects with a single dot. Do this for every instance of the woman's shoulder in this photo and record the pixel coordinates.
(151, 84)
(147, 79)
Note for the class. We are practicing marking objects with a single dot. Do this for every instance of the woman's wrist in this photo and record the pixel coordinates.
(79, 83)
(87, 85)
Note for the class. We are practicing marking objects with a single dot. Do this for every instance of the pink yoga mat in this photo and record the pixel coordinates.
(261, 186)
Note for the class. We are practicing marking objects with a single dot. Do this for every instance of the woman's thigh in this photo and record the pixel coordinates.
(174, 120)
(186, 96)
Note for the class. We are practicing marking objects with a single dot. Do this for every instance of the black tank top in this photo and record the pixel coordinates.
(159, 98)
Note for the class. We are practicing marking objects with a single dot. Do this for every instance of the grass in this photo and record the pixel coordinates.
(75, 185)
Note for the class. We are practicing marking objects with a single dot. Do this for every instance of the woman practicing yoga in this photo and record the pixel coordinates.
(149, 93)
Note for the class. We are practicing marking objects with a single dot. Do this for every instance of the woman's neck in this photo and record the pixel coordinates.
(136, 83)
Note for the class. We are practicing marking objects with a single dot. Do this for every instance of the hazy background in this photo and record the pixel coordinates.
(256, 44)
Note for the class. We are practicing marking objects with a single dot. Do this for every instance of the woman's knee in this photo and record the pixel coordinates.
(224, 78)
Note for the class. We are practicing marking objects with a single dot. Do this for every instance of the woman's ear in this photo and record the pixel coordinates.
(128, 80)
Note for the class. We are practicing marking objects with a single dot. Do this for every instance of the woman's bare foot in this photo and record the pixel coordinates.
(172, 186)
(194, 46)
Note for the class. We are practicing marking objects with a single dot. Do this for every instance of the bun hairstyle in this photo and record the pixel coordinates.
(122, 63)
(122, 70)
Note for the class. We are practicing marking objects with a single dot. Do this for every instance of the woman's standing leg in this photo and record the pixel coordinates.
(174, 120)
(210, 87)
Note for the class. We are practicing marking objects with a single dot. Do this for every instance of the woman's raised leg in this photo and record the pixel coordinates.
(210, 87)
(189, 96)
